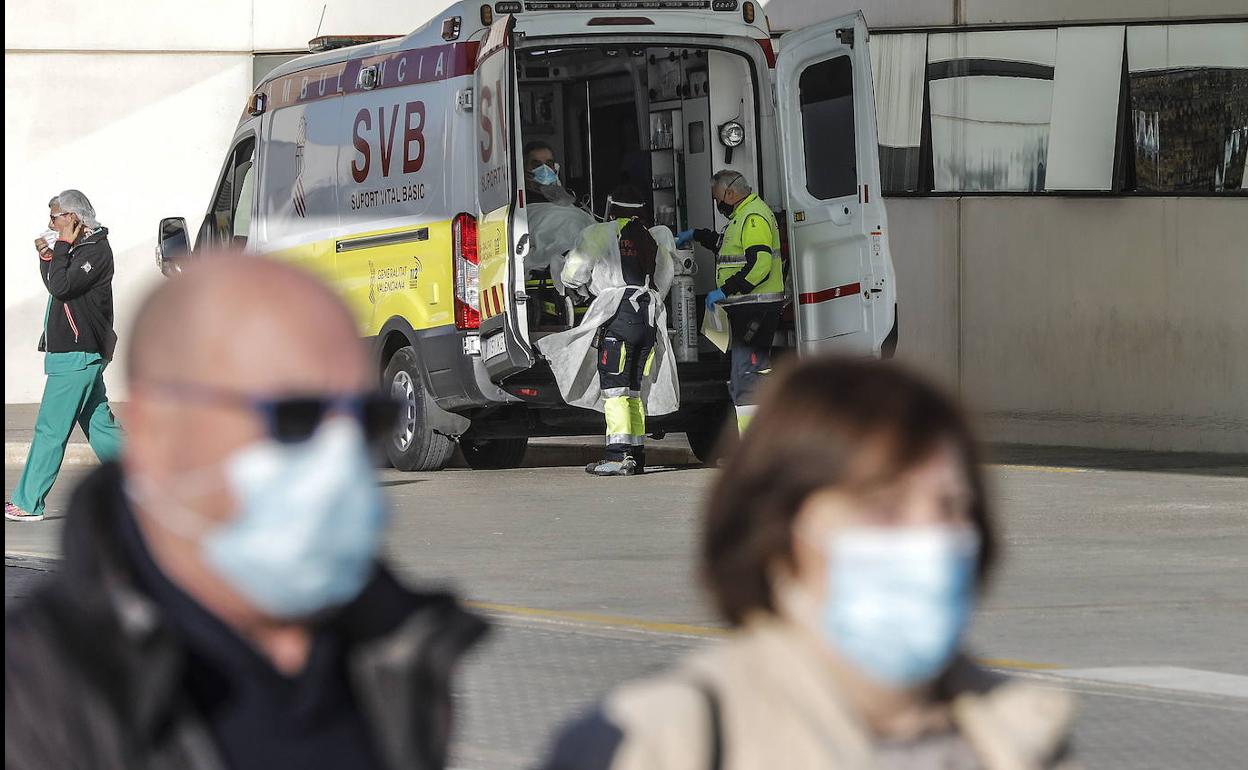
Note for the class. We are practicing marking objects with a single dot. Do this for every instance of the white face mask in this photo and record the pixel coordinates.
(899, 598)
(308, 525)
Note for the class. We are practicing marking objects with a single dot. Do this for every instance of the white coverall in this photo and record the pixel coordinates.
(594, 263)
(553, 230)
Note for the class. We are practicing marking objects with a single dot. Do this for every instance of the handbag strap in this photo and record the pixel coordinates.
(715, 715)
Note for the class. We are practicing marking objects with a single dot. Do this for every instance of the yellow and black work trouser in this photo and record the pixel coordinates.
(625, 355)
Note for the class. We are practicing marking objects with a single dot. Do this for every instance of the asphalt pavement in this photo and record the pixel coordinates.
(1125, 579)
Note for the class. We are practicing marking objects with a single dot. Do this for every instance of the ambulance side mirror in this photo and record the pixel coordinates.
(172, 245)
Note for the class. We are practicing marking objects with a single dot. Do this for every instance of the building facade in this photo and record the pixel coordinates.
(1065, 185)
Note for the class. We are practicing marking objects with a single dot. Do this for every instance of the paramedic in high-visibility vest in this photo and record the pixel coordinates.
(749, 280)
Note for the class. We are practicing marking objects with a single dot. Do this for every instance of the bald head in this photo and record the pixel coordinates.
(230, 330)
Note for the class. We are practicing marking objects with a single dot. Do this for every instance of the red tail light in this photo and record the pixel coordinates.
(464, 266)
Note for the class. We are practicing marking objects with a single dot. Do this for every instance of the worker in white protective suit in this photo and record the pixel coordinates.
(618, 360)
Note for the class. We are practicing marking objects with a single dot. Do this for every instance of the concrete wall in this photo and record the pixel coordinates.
(1118, 322)
(138, 116)
(924, 239)
(139, 153)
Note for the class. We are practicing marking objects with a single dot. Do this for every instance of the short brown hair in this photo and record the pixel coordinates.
(824, 422)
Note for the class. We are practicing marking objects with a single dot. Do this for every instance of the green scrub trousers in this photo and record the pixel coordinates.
(74, 393)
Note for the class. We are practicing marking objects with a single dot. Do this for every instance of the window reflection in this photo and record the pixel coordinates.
(991, 96)
(1188, 117)
(1087, 82)
(1035, 110)
(898, 70)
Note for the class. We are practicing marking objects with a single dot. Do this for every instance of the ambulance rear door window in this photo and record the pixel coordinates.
(826, 92)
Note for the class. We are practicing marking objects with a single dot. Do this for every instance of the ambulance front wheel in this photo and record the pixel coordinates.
(415, 446)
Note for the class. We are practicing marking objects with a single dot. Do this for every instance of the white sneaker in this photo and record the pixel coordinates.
(625, 467)
(13, 513)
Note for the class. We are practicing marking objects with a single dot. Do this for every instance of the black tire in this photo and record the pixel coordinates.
(414, 446)
(715, 437)
(489, 454)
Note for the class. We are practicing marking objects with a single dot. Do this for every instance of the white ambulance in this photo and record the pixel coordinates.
(395, 169)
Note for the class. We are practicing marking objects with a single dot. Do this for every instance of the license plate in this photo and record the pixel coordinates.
(495, 344)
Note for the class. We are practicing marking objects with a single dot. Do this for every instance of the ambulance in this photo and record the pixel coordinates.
(394, 168)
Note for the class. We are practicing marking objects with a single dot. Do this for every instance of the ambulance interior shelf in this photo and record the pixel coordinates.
(619, 116)
(667, 166)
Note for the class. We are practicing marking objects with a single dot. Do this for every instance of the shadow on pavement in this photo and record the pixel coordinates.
(1193, 463)
(398, 482)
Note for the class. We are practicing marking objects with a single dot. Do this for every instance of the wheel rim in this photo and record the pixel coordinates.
(403, 390)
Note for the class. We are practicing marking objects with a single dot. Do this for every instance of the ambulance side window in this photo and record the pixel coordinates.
(230, 218)
(826, 91)
(242, 203)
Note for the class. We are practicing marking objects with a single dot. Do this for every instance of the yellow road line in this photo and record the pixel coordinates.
(595, 619)
(636, 624)
(1022, 665)
(683, 629)
(1040, 468)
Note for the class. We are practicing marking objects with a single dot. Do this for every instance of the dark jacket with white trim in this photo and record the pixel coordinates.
(79, 276)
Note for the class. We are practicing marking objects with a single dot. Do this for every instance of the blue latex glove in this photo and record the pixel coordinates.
(683, 238)
(713, 298)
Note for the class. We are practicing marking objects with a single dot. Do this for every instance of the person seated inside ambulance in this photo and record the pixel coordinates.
(555, 222)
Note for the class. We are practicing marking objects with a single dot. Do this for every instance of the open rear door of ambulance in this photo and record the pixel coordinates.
(505, 346)
(842, 274)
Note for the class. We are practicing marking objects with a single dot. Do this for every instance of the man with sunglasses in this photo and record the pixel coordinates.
(749, 280)
(78, 342)
(221, 603)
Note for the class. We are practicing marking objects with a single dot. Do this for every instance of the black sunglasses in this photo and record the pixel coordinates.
(291, 419)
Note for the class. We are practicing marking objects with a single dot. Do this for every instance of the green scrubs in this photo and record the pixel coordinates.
(73, 393)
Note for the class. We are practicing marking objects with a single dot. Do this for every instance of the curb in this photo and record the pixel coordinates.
(16, 452)
(538, 456)
(30, 561)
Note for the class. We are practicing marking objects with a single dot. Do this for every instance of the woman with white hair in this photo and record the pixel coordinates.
(76, 263)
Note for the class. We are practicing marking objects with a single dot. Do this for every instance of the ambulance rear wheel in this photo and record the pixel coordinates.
(414, 446)
(493, 453)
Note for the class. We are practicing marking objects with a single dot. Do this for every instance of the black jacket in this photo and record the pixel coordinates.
(93, 672)
(80, 279)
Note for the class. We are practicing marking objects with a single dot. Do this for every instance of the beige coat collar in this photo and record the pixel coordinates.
(1012, 725)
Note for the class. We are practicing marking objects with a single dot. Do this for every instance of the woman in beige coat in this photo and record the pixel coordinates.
(846, 543)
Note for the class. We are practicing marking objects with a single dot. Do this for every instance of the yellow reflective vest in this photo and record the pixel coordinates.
(748, 267)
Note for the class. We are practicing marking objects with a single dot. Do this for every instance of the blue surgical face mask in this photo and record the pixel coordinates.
(899, 598)
(545, 175)
(307, 527)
